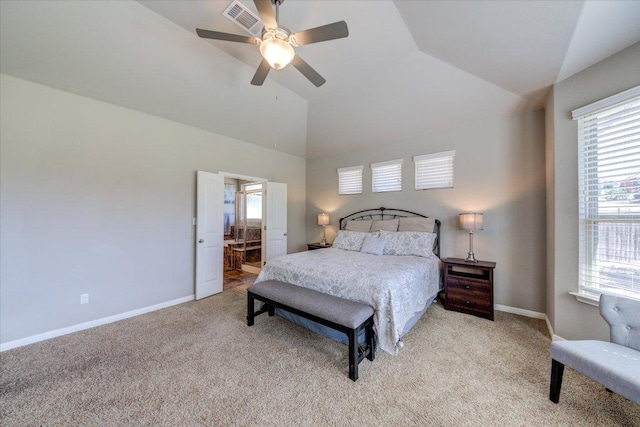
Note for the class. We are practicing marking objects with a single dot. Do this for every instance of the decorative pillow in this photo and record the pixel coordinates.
(373, 245)
(417, 224)
(387, 225)
(349, 240)
(417, 243)
(358, 225)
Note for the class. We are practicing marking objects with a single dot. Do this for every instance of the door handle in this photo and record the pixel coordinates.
(201, 241)
(284, 234)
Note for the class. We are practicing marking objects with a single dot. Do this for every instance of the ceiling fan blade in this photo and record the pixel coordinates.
(266, 13)
(307, 71)
(261, 73)
(216, 35)
(337, 30)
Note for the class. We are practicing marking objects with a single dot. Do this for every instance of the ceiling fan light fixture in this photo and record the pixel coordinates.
(275, 49)
(277, 43)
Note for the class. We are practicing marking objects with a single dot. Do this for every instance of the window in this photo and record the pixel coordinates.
(386, 176)
(609, 195)
(350, 180)
(434, 170)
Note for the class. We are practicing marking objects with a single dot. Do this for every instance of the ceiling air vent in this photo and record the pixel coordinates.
(238, 13)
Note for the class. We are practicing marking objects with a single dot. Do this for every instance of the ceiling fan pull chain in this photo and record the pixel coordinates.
(275, 83)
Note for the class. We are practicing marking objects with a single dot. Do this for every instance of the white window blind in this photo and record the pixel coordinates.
(350, 180)
(386, 176)
(434, 170)
(609, 195)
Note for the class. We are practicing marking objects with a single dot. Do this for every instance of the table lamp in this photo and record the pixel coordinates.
(471, 221)
(323, 220)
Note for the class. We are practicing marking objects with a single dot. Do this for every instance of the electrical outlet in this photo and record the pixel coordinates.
(84, 299)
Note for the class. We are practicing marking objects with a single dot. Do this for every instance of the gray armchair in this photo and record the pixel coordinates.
(615, 364)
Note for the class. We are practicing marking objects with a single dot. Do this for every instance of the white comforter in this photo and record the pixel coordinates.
(395, 286)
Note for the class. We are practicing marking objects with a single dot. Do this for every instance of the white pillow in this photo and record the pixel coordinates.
(417, 223)
(349, 240)
(358, 225)
(408, 243)
(387, 224)
(373, 245)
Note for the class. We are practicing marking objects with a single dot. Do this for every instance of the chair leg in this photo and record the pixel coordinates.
(557, 369)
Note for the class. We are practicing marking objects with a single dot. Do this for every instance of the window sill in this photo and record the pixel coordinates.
(587, 299)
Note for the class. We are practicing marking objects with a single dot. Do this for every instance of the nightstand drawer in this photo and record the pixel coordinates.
(469, 300)
(467, 284)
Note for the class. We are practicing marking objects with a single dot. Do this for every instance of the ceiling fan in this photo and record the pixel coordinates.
(277, 43)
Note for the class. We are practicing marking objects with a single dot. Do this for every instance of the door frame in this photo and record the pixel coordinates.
(264, 181)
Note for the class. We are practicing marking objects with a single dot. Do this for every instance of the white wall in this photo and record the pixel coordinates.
(570, 318)
(499, 170)
(99, 199)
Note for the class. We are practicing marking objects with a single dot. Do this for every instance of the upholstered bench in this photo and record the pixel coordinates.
(615, 364)
(343, 315)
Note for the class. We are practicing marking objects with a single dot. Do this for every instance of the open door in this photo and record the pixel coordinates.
(209, 234)
(276, 220)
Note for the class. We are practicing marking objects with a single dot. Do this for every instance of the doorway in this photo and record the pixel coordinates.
(213, 214)
(243, 226)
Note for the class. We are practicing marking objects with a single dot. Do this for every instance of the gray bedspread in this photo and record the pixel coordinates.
(395, 286)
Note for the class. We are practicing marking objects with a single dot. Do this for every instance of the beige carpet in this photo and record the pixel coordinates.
(199, 364)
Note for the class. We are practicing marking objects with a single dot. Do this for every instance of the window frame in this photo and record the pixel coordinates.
(383, 175)
(345, 175)
(598, 269)
(442, 173)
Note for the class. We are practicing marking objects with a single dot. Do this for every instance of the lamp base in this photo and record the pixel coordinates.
(470, 256)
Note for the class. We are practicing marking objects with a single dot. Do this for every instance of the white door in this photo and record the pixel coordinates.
(276, 220)
(209, 234)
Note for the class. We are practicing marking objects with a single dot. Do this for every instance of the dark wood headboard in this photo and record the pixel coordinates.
(383, 213)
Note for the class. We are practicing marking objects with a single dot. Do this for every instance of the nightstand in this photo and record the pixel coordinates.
(312, 246)
(468, 287)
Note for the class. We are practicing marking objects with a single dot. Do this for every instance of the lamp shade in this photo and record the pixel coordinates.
(471, 221)
(323, 219)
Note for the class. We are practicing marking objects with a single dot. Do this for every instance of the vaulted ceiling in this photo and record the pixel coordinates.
(407, 67)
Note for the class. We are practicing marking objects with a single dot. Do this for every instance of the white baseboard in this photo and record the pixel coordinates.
(91, 324)
(554, 337)
(519, 311)
(529, 313)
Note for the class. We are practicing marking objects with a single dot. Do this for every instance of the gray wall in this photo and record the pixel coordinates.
(499, 170)
(99, 199)
(570, 318)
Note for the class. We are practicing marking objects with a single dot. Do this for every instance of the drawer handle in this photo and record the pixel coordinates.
(468, 302)
(468, 287)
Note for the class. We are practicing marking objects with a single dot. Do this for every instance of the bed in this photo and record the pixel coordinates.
(399, 274)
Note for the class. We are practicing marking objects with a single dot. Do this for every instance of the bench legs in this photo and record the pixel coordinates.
(557, 369)
(370, 338)
(352, 334)
(250, 309)
(354, 356)
(251, 313)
